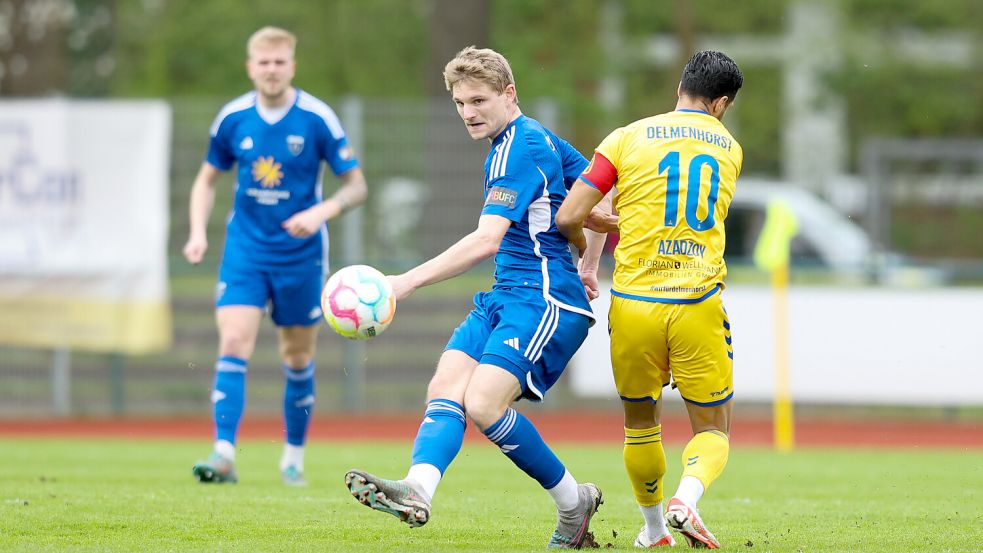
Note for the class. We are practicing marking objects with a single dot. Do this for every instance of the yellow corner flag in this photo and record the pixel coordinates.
(781, 225)
(771, 253)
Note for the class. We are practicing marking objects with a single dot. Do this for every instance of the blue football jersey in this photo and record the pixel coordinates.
(527, 174)
(278, 175)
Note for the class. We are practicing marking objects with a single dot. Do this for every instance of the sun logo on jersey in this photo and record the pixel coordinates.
(266, 171)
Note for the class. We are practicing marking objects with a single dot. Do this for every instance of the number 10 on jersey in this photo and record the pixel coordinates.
(670, 164)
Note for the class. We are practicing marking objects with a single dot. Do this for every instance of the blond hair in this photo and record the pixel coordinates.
(480, 64)
(271, 36)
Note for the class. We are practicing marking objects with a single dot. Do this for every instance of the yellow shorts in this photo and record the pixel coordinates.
(690, 343)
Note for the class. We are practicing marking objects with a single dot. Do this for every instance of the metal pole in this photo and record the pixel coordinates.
(815, 124)
(548, 114)
(352, 252)
(870, 159)
(61, 382)
(117, 389)
(613, 88)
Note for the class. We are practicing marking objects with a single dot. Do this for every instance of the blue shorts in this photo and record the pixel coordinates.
(293, 297)
(518, 330)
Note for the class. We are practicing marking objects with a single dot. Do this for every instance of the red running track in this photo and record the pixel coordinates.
(591, 427)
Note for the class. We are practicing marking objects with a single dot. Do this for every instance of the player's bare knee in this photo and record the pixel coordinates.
(703, 419)
(483, 409)
(438, 389)
(448, 383)
(236, 344)
(641, 414)
(296, 356)
(641, 422)
(297, 361)
(482, 416)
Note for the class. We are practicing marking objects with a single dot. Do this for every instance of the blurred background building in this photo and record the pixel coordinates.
(868, 114)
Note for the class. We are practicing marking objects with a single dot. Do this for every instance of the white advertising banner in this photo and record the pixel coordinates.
(886, 346)
(83, 224)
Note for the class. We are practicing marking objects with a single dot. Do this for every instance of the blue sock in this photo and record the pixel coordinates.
(229, 396)
(440, 435)
(520, 441)
(298, 402)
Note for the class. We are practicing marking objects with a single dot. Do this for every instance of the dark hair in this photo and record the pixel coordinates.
(709, 74)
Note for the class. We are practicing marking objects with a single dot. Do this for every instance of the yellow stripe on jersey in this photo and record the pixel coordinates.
(676, 177)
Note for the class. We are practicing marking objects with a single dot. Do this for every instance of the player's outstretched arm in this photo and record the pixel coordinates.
(602, 218)
(202, 201)
(588, 264)
(467, 252)
(573, 212)
(600, 221)
(351, 193)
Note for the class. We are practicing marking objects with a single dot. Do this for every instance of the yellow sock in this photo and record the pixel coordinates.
(645, 460)
(705, 456)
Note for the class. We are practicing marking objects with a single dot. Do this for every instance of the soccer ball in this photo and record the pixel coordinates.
(358, 302)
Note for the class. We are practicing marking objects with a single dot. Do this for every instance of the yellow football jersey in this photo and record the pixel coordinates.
(676, 176)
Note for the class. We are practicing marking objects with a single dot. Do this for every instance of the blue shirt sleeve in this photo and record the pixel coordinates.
(337, 152)
(510, 197)
(573, 161)
(333, 144)
(220, 151)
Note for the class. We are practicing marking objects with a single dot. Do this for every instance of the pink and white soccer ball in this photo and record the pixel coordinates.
(358, 302)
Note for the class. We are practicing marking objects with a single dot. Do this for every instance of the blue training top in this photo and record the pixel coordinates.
(279, 175)
(527, 174)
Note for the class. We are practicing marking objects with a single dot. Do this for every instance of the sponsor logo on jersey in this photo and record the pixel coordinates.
(246, 144)
(512, 343)
(346, 153)
(499, 195)
(266, 171)
(681, 247)
(220, 290)
(315, 313)
(550, 142)
(295, 144)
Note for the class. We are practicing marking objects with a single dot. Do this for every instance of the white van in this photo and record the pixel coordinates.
(826, 237)
(828, 242)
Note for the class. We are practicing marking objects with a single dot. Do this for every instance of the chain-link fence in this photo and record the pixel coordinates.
(425, 177)
(924, 198)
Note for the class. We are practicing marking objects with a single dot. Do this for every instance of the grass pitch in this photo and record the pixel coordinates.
(115, 495)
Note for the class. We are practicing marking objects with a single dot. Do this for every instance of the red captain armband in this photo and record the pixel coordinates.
(600, 173)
